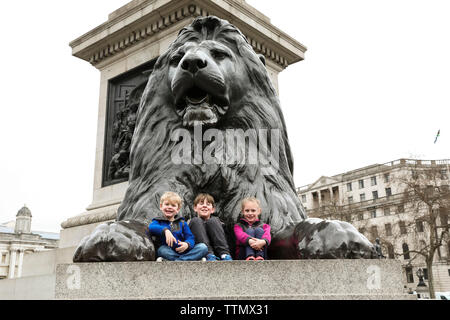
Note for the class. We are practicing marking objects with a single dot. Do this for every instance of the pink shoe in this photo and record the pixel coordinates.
(250, 258)
(259, 258)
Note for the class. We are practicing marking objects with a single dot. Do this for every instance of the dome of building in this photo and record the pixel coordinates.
(24, 212)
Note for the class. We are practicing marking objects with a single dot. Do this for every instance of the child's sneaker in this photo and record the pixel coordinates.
(211, 257)
(203, 259)
(226, 257)
(259, 258)
(250, 258)
(159, 259)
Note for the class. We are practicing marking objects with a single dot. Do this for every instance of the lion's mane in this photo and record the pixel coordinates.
(153, 172)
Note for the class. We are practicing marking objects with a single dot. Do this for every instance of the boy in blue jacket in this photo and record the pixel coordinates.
(177, 240)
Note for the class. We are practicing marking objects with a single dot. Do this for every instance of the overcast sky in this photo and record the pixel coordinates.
(374, 87)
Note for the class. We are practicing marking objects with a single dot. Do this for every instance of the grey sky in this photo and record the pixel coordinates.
(374, 87)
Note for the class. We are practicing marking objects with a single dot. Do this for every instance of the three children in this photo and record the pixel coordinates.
(204, 238)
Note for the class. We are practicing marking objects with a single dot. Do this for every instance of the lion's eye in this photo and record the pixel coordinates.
(175, 60)
(218, 54)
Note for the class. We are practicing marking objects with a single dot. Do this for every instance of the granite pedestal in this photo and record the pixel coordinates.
(288, 279)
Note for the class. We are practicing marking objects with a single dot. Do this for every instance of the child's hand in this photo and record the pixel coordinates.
(182, 247)
(257, 244)
(170, 239)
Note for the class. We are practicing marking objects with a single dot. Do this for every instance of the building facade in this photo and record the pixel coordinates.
(375, 201)
(17, 240)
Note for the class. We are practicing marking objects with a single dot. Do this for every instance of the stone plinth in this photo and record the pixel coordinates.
(288, 279)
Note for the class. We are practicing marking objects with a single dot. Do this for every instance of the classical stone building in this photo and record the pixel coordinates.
(17, 241)
(373, 200)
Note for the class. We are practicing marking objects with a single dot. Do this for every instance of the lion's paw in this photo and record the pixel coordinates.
(331, 239)
(116, 241)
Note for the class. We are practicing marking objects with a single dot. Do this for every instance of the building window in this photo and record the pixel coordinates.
(373, 213)
(445, 188)
(361, 184)
(388, 192)
(375, 195)
(3, 258)
(303, 198)
(409, 275)
(386, 177)
(429, 190)
(448, 249)
(360, 217)
(349, 186)
(362, 197)
(387, 211)
(423, 245)
(449, 272)
(373, 181)
(350, 199)
(391, 253)
(443, 216)
(405, 248)
(444, 175)
(400, 208)
(425, 273)
(374, 232)
(419, 226)
(402, 226)
(388, 228)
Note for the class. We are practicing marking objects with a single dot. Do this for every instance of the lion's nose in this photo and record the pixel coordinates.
(193, 62)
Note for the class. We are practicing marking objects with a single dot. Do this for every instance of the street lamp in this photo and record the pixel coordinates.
(422, 290)
(420, 275)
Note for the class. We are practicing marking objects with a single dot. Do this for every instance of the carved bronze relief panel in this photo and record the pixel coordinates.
(124, 95)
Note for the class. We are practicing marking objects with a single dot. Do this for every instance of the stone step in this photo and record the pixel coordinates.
(235, 280)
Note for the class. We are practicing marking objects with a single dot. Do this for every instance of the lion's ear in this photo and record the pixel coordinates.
(262, 58)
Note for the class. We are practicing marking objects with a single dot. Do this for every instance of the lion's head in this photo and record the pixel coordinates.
(209, 76)
(206, 70)
(209, 69)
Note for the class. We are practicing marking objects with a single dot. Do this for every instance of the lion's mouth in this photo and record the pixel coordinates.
(196, 96)
(199, 107)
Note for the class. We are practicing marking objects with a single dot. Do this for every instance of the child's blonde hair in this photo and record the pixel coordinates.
(249, 199)
(172, 198)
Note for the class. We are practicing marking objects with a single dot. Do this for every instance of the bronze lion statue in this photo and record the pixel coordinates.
(210, 121)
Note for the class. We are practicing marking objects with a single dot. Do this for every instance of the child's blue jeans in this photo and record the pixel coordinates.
(196, 253)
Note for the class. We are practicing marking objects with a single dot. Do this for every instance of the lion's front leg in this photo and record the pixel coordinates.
(116, 241)
(331, 239)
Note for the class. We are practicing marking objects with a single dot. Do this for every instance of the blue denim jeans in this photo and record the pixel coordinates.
(196, 253)
(246, 250)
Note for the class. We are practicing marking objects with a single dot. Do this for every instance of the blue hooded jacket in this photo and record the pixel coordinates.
(178, 227)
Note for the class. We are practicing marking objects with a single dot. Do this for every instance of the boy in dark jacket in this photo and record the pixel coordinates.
(208, 229)
(177, 240)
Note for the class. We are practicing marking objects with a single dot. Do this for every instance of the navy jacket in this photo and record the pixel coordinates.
(178, 227)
